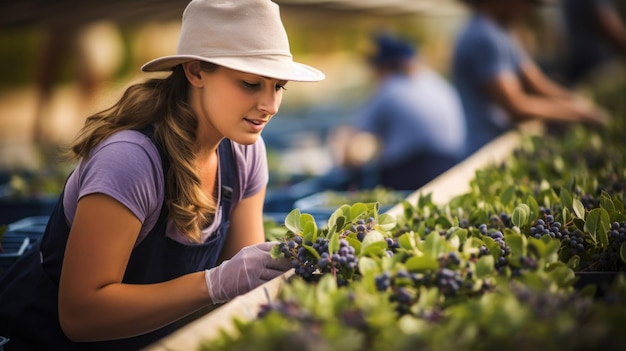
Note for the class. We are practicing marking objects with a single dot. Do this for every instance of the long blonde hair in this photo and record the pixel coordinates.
(162, 102)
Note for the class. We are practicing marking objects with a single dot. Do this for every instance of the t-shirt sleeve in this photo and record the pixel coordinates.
(252, 165)
(494, 53)
(489, 59)
(126, 171)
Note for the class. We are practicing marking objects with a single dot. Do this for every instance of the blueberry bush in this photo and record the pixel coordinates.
(498, 267)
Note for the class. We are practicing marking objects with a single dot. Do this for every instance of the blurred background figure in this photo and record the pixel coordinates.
(412, 127)
(94, 51)
(499, 83)
(595, 41)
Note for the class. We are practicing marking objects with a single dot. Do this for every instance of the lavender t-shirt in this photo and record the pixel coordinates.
(127, 167)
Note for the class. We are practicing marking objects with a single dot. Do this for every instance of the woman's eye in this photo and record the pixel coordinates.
(280, 87)
(251, 85)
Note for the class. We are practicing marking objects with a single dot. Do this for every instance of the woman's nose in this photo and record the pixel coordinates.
(270, 102)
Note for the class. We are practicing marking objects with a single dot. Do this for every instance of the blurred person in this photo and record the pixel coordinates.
(163, 215)
(94, 50)
(412, 128)
(595, 38)
(499, 84)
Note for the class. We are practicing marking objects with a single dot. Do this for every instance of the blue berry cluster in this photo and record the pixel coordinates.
(342, 263)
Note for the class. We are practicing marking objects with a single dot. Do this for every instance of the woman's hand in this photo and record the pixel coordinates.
(249, 268)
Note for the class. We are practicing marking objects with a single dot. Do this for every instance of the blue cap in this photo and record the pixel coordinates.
(391, 50)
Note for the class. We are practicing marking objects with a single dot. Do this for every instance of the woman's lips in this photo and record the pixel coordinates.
(256, 125)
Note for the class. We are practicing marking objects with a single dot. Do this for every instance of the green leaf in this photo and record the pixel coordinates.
(367, 265)
(472, 246)
(545, 247)
(534, 207)
(374, 244)
(386, 222)
(454, 242)
(461, 233)
(492, 245)
(606, 202)
(619, 205)
(579, 208)
(308, 227)
(355, 243)
(275, 252)
(603, 238)
(507, 195)
(579, 223)
(422, 264)
(617, 216)
(292, 221)
(566, 198)
(333, 243)
(561, 274)
(312, 251)
(520, 216)
(573, 262)
(375, 249)
(565, 214)
(433, 244)
(334, 217)
(443, 222)
(407, 241)
(517, 243)
(357, 210)
(597, 225)
(485, 266)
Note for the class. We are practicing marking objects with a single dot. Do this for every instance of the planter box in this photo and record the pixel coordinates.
(601, 280)
(14, 246)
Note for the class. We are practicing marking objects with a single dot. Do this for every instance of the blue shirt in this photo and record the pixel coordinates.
(413, 115)
(483, 51)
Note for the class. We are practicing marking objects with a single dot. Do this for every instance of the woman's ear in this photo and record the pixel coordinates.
(193, 73)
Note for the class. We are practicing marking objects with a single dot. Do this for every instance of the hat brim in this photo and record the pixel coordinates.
(263, 66)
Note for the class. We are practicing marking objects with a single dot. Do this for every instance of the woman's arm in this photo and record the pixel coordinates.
(246, 225)
(538, 83)
(507, 91)
(94, 304)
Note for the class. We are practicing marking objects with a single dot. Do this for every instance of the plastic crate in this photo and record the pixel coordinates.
(3, 342)
(31, 227)
(13, 247)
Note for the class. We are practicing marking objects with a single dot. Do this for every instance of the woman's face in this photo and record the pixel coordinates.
(234, 104)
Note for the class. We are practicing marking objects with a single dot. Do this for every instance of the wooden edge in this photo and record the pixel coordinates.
(244, 307)
(453, 182)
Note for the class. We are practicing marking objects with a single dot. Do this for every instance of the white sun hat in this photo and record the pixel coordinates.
(244, 35)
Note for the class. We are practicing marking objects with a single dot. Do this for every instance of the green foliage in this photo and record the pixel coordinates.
(495, 268)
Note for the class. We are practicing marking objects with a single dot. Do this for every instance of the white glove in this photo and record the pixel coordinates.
(249, 268)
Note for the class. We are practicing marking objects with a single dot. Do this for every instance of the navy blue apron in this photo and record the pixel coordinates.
(29, 289)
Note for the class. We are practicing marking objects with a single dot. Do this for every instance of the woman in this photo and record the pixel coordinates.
(163, 214)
